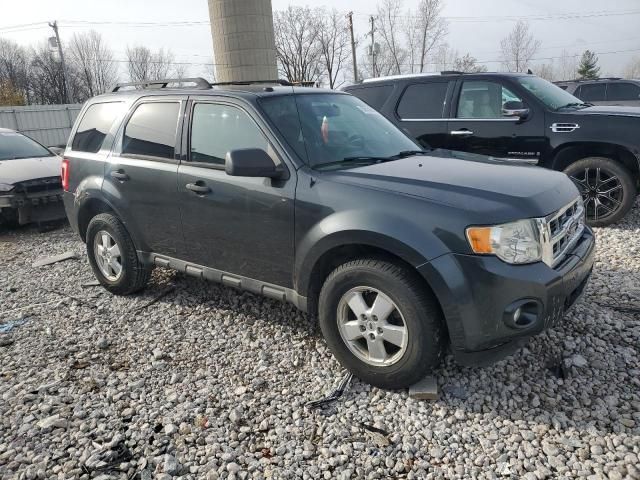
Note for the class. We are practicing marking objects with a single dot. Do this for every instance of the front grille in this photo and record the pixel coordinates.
(560, 231)
(39, 185)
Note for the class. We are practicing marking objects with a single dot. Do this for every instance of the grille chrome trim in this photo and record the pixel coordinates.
(560, 231)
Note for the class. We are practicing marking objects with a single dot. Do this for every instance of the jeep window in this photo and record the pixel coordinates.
(480, 99)
(623, 91)
(326, 128)
(151, 130)
(373, 96)
(551, 95)
(95, 125)
(593, 92)
(14, 146)
(217, 129)
(423, 100)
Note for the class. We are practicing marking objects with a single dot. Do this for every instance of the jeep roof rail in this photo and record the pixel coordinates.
(279, 81)
(451, 72)
(200, 83)
(581, 80)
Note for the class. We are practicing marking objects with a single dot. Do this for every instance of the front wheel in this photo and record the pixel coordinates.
(381, 322)
(607, 188)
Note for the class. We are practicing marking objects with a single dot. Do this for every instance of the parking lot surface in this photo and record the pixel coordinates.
(208, 382)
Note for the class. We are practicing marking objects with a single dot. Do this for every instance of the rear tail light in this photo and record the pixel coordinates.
(65, 174)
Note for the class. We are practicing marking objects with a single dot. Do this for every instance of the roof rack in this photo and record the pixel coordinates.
(279, 81)
(200, 83)
(578, 80)
(451, 72)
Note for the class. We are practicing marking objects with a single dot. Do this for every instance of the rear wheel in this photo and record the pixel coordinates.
(607, 188)
(113, 256)
(381, 323)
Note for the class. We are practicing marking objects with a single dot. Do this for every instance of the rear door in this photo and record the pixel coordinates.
(478, 124)
(141, 175)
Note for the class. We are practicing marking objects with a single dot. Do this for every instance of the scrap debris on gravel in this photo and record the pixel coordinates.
(194, 380)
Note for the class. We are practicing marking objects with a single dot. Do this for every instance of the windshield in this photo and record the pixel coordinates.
(14, 146)
(325, 128)
(551, 95)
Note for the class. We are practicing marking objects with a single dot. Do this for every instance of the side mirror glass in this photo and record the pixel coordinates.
(515, 109)
(251, 162)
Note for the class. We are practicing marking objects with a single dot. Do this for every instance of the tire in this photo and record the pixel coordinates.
(609, 183)
(133, 275)
(416, 308)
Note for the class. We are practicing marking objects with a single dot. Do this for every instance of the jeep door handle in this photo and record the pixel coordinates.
(119, 175)
(462, 133)
(199, 187)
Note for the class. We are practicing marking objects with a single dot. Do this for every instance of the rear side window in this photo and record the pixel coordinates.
(373, 96)
(95, 125)
(595, 92)
(151, 130)
(623, 91)
(218, 129)
(423, 100)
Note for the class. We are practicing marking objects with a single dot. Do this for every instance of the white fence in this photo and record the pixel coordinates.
(48, 124)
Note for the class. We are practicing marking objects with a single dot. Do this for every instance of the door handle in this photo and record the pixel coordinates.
(462, 133)
(119, 175)
(199, 187)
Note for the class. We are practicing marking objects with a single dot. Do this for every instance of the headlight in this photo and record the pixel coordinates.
(5, 187)
(516, 242)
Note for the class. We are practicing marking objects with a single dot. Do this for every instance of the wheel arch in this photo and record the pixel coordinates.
(89, 209)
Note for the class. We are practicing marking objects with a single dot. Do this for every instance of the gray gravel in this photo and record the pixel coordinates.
(211, 383)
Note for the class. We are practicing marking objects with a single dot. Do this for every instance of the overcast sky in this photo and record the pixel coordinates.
(473, 26)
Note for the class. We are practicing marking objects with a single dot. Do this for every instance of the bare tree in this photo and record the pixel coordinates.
(14, 68)
(633, 68)
(546, 71)
(518, 48)
(93, 62)
(298, 50)
(385, 65)
(425, 30)
(388, 26)
(163, 65)
(334, 40)
(142, 64)
(47, 78)
(567, 66)
(468, 64)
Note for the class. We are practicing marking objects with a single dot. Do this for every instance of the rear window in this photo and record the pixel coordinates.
(151, 130)
(14, 146)
(423, 101)
(95, 125)
(373, 96)
(623, 91)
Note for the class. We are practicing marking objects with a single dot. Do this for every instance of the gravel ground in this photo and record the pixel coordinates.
(211, 383)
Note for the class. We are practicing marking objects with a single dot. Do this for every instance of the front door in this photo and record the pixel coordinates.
(239, 225)
(142, 172)
(479, 124)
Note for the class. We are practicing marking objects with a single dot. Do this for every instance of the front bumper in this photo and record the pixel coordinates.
(476, 291)
(32, 207)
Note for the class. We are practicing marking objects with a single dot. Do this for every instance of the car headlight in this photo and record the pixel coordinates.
(515, 242)
(4, 187)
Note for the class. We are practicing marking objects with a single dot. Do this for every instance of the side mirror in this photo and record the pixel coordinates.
(515, 109)
(251, 162)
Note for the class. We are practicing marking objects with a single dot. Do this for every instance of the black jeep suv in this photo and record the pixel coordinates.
(313, 197)
(520, 118)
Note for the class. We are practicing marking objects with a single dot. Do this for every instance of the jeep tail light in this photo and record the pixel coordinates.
(64, 174)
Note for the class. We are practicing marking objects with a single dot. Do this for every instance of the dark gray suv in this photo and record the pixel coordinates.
(311, 196)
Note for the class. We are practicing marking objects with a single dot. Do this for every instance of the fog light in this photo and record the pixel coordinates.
(522, 313)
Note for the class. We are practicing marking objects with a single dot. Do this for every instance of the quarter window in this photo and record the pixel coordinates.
(594, 92)
(423, 100)
(623, 91)
(218, 129)
(151, 130)
(486, 100)
(95, 125)
(373, 96)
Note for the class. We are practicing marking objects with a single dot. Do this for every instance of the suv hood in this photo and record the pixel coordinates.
(495, 189)
(23, 169)
(608, 110)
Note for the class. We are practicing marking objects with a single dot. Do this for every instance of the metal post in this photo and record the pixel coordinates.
(353, 47)
(373, 47)
(65, 76)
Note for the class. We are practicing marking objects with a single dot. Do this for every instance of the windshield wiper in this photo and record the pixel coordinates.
(360, 159)
(575, 104)
(409, 153)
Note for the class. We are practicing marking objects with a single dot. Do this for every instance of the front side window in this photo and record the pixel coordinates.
(480, 99)
(594, 92)
(15, 146)
(218, 129)
(423, 100)
(151, 130)
(95, 125)
(326, 128)
(623, 91)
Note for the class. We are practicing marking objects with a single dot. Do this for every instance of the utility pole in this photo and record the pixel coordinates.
(373, 47)
(65, 76)
(353, 47)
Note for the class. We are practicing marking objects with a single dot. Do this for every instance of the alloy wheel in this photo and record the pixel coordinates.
(107, 255)
(372, 326)
(601, 191)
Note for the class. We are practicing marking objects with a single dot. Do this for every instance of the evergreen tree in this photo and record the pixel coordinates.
(588, 68)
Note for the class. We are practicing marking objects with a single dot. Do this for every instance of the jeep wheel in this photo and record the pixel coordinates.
(381, 323)
(607, 188)
(113, 256)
